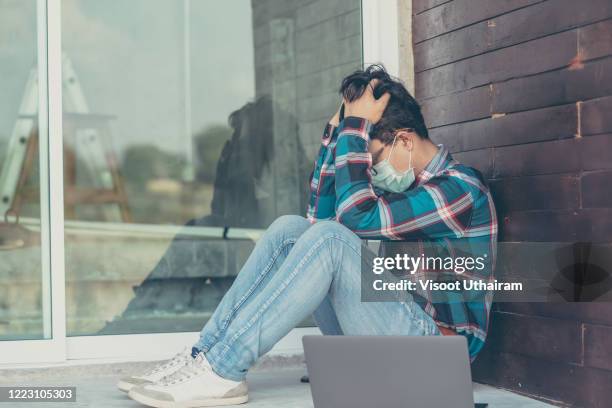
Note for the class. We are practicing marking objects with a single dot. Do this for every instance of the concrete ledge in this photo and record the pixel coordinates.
(60, 372)
(274, 383)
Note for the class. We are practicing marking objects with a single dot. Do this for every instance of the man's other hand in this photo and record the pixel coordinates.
(367, 106)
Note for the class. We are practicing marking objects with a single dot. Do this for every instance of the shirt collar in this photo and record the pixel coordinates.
(438, 163)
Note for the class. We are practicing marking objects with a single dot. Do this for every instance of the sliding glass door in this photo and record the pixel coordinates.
(22, 314)
(31, 307)
(145, 145)
(189, 126)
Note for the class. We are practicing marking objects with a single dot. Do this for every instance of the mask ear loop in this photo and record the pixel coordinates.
(409, 154)
(392, 147)
(409, 159)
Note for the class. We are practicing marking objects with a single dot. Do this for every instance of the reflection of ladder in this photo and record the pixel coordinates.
(86, 137)
(19, 145)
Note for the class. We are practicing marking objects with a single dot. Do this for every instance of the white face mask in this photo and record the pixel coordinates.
(386, 177)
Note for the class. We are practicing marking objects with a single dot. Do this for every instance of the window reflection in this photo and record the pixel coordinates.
(184, 120)
(22, 284)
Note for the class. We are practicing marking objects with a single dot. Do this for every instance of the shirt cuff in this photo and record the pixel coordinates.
(357, 126)
(327, 134)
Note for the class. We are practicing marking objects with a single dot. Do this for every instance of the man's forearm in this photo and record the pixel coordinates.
(322, 199)
(437, 209)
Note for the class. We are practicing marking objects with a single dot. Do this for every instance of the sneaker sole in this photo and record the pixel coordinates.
(125, 386)
(213, 402)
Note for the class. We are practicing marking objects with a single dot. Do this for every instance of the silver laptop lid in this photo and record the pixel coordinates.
(389, 371)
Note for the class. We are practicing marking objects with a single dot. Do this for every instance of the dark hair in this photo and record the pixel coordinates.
(402, 111)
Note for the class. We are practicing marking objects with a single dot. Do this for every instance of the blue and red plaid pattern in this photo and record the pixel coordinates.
(448, 203)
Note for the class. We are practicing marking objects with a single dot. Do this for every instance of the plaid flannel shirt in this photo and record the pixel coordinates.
(448, 203)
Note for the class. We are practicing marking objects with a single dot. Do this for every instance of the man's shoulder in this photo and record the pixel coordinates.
(457, 179)
(466, 174)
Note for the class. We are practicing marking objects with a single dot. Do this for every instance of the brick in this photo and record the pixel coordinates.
(597, 224)
(589, 312)
(311, 150)
(312, 131)
(537, 158)
(564, 86)
(548, 192)
(419, 6)
(552, 123)
(597, 350)
(325, 81)
(596, 152)
(590, 224)
(562, 156)
(595, 41)
(320, 10)
(596, 266)
(515, 260)
(596, 116)
(556, 273)
(536, 21)
(572, 384)
(594, 80)
(327, 32)
(266, 10)
(529, 58)
(530, 93)
(596, 191)
(539, 337)
(454, 136)
(558, 122)
(479, 159)
(543, 262)
(317, 106)
(460, 107)
(346, 50)
(263, 57)
(541, 226)
(461, 13)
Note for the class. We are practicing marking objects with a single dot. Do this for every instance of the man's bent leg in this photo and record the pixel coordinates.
(326, 319)
(325, 261)
(377, 318)
(269, 253)
(343, 312)
(296, 290)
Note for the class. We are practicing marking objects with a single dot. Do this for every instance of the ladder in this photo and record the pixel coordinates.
(89, 144)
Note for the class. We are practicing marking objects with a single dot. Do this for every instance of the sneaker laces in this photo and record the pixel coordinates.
(193, 368)
(179, 359)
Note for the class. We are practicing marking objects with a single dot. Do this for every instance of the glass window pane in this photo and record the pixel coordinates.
(183, 119)
(21, 280)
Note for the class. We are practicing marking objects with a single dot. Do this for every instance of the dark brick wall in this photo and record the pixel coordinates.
(522, 90)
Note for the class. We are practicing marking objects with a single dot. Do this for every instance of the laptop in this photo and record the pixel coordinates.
(389, 371)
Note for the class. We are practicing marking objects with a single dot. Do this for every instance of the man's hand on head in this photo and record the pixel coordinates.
(367, 106)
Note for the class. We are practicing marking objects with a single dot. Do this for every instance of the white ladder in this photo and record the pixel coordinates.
(88, 145)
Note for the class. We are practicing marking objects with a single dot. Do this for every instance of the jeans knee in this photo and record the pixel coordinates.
(337, 235)
(291, 226)
(333, 228)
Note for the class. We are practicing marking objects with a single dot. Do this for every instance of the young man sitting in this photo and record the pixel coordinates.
(377, 176)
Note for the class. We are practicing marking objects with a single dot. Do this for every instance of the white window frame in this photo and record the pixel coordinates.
(53, 347)
(380, 34)
(380, 45)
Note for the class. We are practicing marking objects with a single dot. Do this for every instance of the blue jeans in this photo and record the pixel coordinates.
(298, 269)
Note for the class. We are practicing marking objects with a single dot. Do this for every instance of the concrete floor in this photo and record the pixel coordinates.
(270, 387)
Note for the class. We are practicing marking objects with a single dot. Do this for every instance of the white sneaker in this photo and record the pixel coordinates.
(194, 385)
(158, 372)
